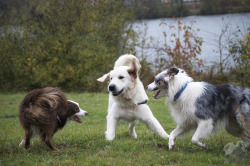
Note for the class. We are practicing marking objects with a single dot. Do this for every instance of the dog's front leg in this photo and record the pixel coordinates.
(111, 127)
(179, 130)
(145, 115)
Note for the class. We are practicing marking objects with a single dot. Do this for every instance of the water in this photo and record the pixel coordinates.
(211, 27)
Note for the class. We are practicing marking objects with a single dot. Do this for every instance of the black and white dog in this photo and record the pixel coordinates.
(202, 106)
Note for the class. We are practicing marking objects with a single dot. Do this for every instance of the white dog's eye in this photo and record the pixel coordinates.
(121, 77)
(110, 78)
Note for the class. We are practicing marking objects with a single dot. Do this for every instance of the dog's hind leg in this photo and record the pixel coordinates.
(204, 129)
(235, 129)
(243, 115)
(246, 139)
(28, 136)
(132, 128)
(47, 140)
(240, 133)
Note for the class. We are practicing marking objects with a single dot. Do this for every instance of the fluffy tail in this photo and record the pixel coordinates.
(51, 98)
(243, 114)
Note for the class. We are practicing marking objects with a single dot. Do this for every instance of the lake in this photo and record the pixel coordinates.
(210, 28)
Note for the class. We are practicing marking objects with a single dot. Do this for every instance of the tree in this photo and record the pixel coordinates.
(66, 43)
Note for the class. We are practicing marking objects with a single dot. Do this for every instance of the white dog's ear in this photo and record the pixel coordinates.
(104, 78)
(133, 70)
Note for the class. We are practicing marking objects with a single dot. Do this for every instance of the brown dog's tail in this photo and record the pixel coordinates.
(51, 98)
(40, 106)
(243, 114)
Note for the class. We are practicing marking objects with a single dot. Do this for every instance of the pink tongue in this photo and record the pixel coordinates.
(78, 120)
(156, 94)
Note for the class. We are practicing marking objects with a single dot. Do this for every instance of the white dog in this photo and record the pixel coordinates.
(127, 98)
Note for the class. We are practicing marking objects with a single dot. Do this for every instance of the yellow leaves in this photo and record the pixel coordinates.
(55, 59)
(31, 63)
(247, 36)
(185, 46)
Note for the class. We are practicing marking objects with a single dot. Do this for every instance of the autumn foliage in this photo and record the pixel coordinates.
(182, 47)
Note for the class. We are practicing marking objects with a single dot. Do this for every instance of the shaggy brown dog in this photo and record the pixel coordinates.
(44, 111)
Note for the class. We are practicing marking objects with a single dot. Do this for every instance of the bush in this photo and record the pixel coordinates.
(181, 48)
(240, 51)
(62, 43)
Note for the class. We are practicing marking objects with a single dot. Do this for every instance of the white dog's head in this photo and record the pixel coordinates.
(162, 80)
(121, 79)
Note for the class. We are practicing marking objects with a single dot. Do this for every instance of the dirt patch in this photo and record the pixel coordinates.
(9, 116)
(7, 103)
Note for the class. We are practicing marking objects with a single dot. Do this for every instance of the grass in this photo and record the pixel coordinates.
(84, 144)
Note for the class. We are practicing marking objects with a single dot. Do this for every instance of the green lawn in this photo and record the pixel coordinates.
(84, 144)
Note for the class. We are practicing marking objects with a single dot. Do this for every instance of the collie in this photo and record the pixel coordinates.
(43, 111)
(202, 106)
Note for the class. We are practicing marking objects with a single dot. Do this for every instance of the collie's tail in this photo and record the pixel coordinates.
(243, 114)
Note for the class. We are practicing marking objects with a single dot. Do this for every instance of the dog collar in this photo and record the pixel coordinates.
(177, 95)
(59, 120)
(143, 102)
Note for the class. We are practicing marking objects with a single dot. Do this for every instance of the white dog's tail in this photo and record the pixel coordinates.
(126, 60)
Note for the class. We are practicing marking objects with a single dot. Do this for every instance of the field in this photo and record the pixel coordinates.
(84, 144)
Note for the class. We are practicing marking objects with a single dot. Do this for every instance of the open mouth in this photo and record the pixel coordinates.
(156, 94)
(117, 93)
(78, 120)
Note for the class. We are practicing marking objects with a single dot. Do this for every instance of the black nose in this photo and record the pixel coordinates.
(111, 87)
(147, 87)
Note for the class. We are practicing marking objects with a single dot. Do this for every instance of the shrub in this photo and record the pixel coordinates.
(62, 43)
(240, 50)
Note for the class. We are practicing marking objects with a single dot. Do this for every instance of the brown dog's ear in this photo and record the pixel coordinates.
(133, 70)
(173, 71)
(104, 78)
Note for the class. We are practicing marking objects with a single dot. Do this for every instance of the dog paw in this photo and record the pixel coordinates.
(171, 143)
(109, 137)
(134, 135)
(167, 136)
(55, 150)
(22, 143)
(201, 144)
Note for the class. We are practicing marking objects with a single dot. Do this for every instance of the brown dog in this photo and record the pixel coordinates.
(44, 111)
